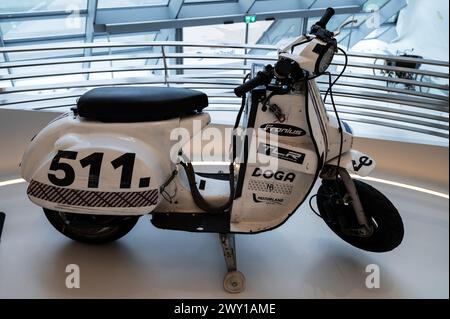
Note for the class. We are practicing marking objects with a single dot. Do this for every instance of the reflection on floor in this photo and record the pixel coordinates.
(301, 259)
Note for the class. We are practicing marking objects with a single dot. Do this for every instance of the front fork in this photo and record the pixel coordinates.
(365, 228)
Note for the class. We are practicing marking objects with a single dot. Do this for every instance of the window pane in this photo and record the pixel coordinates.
(200, 1)
(373, 5)
(7, 6)
(43, 27)
(130, 3)
(219, 33)
(35, 55)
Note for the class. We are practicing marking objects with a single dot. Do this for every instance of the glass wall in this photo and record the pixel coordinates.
(54, 78)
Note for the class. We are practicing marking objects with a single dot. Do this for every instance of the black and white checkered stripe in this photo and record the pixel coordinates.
(83, 198)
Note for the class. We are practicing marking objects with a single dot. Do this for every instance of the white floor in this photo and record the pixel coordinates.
(301, 259)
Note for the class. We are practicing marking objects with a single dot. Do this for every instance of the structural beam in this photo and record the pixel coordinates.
(198, 18)
(179, 60)
(89, 30)
(132, 15)
(175, 7)
(45, 39)
(90, 20)
(336, 3)
(288, 5)
(38, 15)
(246, 5)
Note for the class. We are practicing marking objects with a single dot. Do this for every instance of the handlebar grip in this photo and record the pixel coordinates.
(329, 13)
(247, 86)
(261, 78)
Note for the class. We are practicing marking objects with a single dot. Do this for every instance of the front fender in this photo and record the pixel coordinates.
(355, 162)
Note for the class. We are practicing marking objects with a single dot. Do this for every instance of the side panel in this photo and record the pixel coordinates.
(97, 168)
(271, 194)
(94, 179)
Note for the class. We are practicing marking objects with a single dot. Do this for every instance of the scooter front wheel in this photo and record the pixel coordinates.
(387, 223)
(91, 229)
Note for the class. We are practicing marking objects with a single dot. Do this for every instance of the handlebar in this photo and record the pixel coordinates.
(329, 13)
(284, 68)
(262, 78)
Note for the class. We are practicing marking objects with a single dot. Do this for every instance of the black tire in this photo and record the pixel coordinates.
(388, 225)
(91, 229)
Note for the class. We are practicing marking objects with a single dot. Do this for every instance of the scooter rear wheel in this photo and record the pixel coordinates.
(91, 229)
(387, 222)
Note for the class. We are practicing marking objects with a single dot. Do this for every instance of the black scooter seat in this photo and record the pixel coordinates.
(139, 104)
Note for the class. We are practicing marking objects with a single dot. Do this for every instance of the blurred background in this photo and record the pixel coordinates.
(395, 86)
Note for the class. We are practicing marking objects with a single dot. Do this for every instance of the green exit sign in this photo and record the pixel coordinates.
(250, 19)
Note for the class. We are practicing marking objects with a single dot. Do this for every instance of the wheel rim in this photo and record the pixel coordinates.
(387, 227)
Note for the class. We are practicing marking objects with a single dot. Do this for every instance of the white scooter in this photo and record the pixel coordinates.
(98, 168)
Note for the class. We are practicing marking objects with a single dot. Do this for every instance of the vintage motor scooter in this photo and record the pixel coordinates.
(97, 169)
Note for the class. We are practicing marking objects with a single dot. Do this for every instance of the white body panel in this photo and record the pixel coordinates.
(148, 141)
(269, 198)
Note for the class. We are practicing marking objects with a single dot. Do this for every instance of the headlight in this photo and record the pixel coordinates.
(326, 55)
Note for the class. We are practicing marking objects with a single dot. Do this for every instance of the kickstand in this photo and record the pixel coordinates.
(234, 281)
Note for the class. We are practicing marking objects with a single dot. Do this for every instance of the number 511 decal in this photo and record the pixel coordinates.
(94, 161)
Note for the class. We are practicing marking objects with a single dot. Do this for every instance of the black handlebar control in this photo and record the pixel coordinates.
(329, 13)
(319, 29)
(285, 69)
(262, 78)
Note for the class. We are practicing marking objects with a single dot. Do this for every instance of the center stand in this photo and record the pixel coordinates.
(234, 280)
